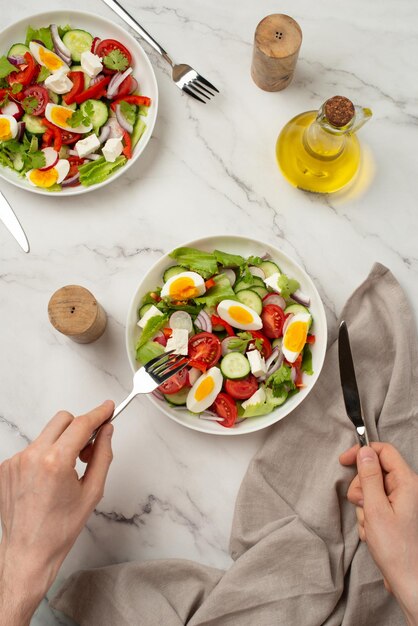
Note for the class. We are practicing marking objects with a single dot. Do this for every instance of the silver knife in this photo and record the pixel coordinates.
(349, 385)
(11, 222)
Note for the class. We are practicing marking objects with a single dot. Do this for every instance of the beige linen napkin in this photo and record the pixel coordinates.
(297, 558)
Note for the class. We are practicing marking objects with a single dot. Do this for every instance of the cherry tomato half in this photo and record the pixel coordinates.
(273, 319)
(106, 46)
(266, 348)
(242, 389)
(69, 138)
(225, 407)
(36, 98)
(204, 351)
(175, 383)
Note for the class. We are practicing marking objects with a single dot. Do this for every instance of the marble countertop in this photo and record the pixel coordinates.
(209, 169)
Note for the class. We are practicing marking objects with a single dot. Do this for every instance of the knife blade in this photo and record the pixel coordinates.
(9, 219)
(349, 384)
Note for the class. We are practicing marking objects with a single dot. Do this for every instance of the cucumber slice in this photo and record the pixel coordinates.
(87, 79)
(277, 343)
(144, 309)
(138, 131)
(269, 268)
(148, 351)
(242, 284)
(18, 50)
(33, 124)
(235, 365)
(251, 299)
(296, 308)
(100, 112)
(261, 291)
(54, 97)
(178, 398)
(18, 162)
(172, 271)
(77, 41)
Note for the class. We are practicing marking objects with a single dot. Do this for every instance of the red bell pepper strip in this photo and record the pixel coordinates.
(96, 91)
(167, 332)
(26, 75)
(56, 134)
(138, 100)
(310, 339)
(209, 283)
(127, 148)
(297, 365)
(218, 321)
(77, 79)
(47, 138)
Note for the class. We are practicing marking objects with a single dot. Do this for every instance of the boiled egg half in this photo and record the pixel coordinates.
(8, 127)
(59, 115)
(239, 315)
(51, 176)
(47, 58)
(295, 336)
(204, 391)
(184, 286)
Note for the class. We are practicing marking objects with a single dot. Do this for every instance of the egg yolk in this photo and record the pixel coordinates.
(49, 59)
(45, 178)
(240, 315)
(183, 288)
(61, 116)
(295, 336)
(204, 389)
(5, 131)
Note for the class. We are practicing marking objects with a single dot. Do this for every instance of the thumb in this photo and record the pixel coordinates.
(99, 462)
(371, 481)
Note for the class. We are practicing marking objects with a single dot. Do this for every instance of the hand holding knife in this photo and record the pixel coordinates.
(349, 385)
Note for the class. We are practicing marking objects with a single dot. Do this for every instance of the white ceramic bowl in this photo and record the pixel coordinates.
(105, 29)
(245, 247)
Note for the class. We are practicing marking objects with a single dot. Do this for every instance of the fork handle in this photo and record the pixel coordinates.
(127, 17)
(116, 412)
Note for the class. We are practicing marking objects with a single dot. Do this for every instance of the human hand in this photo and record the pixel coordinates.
(387, 514)
(44, 506)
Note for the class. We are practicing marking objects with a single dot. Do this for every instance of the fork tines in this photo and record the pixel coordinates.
(166, 365)
(198, 86)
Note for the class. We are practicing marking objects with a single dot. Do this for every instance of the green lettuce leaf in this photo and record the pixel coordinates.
(222, 290)
(257, 410)
(287, 285)
(43, 34)
(228, 260)
(202, 262)
(307, 361)
(152, 327)
(6, 67)
(97, 171)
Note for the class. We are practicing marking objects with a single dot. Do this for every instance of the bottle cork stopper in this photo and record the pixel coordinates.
(339, 111)
(75, 312)
(277, 42)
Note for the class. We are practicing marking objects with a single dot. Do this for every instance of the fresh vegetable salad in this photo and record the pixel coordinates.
(244, 326)
(70, 108)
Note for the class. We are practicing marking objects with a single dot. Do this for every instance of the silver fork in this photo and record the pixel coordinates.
(185, 77)
(148, 378)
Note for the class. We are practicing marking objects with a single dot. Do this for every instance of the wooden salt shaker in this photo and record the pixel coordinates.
(75, 312)
(277, 41)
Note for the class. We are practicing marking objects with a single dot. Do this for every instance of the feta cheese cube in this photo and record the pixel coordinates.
(112, 149)
(87, 145)
(258, 397)
(58, 82)
(257, 363)
(152, 312)
(91, 63)
(271, 281)
(179, 341)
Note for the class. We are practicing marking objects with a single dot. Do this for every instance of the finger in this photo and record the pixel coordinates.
(76, 436)
(349, 456)
(85, 454)
(389, 457)
(95, 477)
(355, 492)
(387, 585)
(360, 516)
(55, 427)
(371, 481)
(361, 532)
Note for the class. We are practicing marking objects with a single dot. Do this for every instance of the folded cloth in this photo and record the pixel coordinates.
(297, 557)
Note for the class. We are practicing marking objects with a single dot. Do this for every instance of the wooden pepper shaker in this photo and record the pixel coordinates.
(277, 41)
(75, 312)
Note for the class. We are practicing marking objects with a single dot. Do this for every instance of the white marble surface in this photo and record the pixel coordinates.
(207, 170)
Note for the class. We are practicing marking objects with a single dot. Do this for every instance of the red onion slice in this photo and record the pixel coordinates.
(286, 324)
(123, 121)
(301, 298)
(104, 134)
(210, 416)
(115, 129)
(274, 361)
(20, 130)
(203, 322)
(96, 79)
(116, 82)
(93, 156)
(157, 394)
(225, 345)
(134, 85)
(59, 46)
(16, 60)
(70, 182)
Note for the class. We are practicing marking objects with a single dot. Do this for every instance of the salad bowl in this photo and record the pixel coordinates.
(245, 247)
(102, 29)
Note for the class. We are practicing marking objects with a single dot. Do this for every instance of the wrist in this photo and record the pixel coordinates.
(407, 596)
